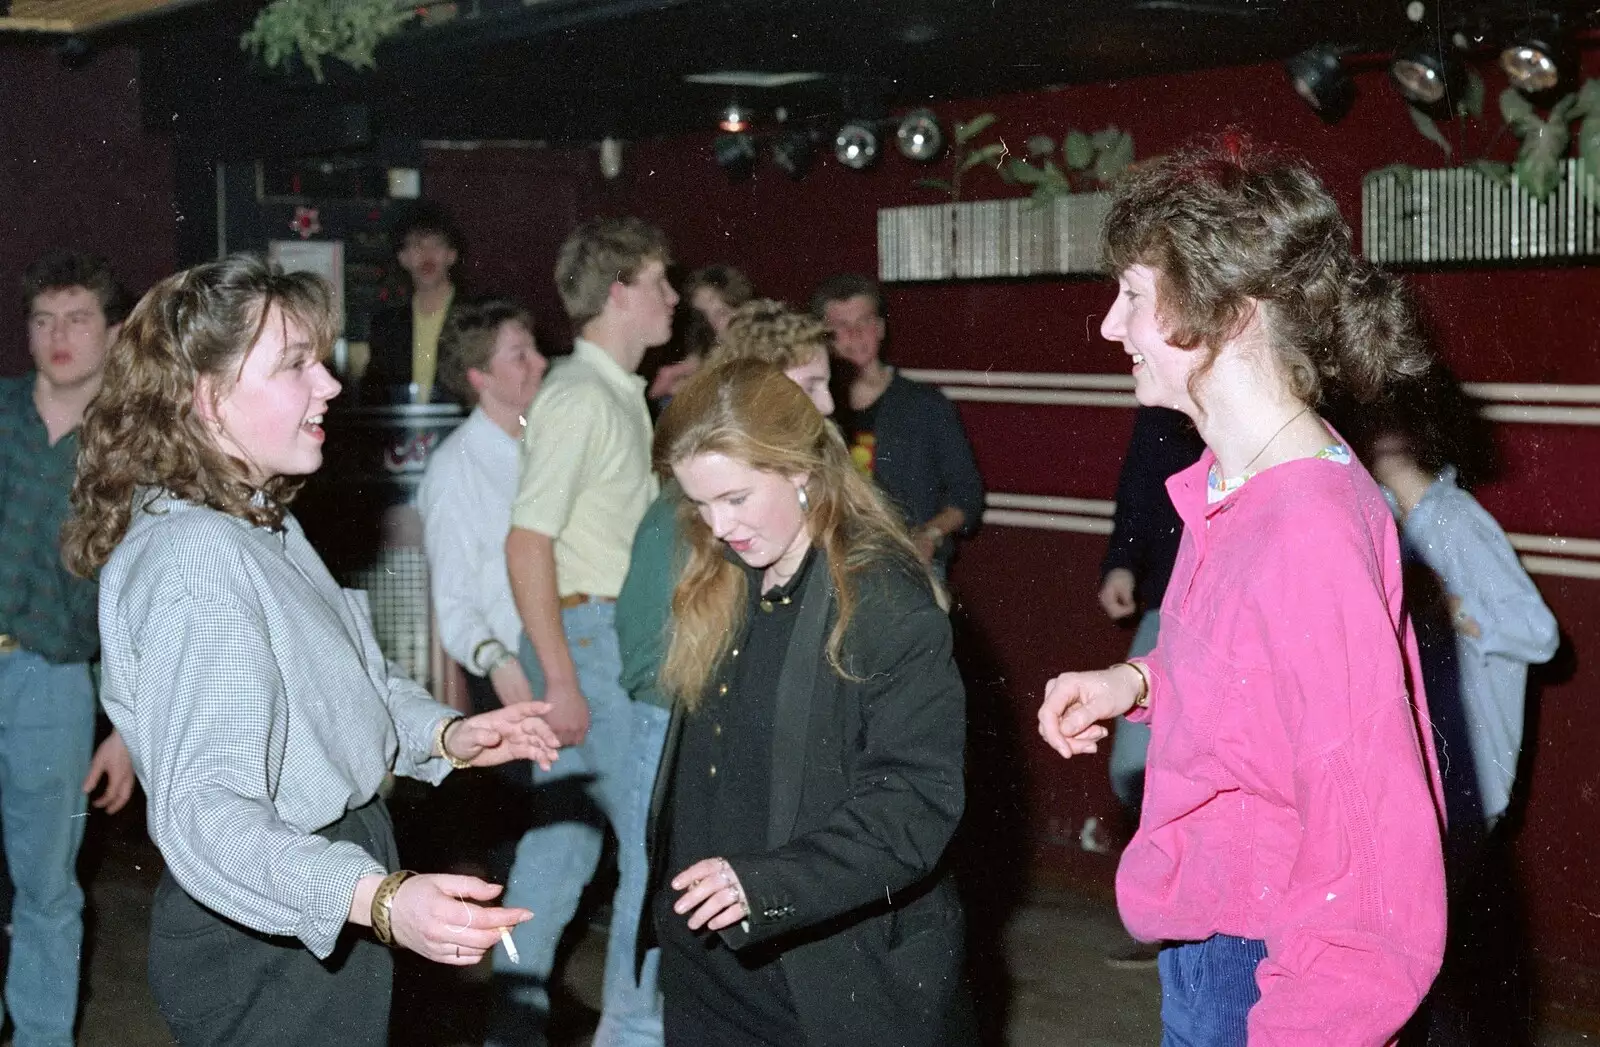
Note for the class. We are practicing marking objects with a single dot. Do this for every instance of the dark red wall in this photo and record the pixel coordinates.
(77, 170)
(1028, 596)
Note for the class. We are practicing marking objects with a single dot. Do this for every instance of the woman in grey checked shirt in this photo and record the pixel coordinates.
(259, 711)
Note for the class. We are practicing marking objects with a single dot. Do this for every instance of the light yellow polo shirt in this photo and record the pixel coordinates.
(585, 476)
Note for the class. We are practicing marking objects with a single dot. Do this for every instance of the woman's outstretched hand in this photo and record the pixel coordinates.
(512, 732)
(1076, 703)
(712, 895)
(435, 916)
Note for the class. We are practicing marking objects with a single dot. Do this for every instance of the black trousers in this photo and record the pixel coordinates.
(219, 984)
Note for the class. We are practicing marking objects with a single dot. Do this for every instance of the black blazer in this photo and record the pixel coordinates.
(867, 788)
(387, 379)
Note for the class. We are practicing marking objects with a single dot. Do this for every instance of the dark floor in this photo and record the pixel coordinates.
(1060, 989)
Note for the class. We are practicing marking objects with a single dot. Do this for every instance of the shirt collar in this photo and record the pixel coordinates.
(601, 361)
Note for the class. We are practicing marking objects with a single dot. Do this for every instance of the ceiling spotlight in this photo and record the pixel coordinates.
(734, 119)
(1533, 58)
(856, 145)
(735, 153)
(1320, 79)
(1427, 76)
(793, 151)
(918, 137)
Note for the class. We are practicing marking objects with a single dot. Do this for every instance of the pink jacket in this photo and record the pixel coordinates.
(1293, 793)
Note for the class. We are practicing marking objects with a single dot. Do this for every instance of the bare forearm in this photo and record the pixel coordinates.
(531, 563)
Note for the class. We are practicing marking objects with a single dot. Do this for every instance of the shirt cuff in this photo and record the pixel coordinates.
(332, 886)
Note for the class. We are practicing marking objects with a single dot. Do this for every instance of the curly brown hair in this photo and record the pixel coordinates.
(1228, 225)
(143, 431)
(751, 412)
(771, 332)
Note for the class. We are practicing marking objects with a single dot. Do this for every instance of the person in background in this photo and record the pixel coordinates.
(904, 435)
(1145, 530)
(1289, 849)
(1480, 623)
(584, 485)
(713, 293)
(813, 772)
(48, 637)
(260, 713)
(403, 340)
(487, 358)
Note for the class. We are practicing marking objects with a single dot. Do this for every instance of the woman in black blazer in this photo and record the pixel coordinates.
(813, 769)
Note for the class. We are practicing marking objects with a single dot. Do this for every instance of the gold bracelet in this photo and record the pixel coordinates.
(383, 905)
(1143, 700)
(438, 743)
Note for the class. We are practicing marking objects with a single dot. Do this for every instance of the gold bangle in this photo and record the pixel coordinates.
(1143, 700)
(438, 743)
(383, 905)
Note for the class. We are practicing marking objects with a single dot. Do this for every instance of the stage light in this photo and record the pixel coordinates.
(856, 145)
(919, 137)
(1426, 75)
(735, 153)
(1533, 59)
(734, 119)
(1320, 79)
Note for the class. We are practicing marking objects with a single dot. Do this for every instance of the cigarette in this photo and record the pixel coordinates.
(511, 946)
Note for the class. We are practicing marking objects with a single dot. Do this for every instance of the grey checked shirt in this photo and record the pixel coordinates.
(258, 708)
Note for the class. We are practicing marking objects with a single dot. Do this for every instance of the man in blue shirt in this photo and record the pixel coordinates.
(48, 636)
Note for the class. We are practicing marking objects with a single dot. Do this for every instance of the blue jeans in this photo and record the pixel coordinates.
(592, 785)
(1207, 990)
(46, 736)
(1131, 741)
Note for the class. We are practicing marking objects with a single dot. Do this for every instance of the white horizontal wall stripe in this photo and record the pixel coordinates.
(1507, 401)
(1026, 379)
(1053, 397)
(1047, 521)
(1542, 553)
(1534, 393)
(1050, 503)
(1555, 545)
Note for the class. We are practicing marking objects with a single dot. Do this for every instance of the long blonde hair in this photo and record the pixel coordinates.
(753, 413)
(142, 429)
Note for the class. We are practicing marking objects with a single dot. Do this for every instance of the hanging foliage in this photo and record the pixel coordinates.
(308, 31)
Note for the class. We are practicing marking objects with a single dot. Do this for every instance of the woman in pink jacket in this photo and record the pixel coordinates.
(1288, 850)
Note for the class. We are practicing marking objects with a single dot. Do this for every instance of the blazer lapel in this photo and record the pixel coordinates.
(792, 715)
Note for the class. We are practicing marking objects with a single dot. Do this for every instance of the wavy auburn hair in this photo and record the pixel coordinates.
(142, 430)
(1227, 223)
(751, 412)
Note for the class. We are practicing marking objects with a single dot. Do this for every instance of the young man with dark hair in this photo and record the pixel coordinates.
(585, 484)
(404, 338)
(48, 636)
(903, 434)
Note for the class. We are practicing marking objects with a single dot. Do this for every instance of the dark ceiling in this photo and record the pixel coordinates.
(579, 70)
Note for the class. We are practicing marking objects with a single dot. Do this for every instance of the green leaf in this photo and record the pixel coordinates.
(988, 154)
(1114, 157)
(1589, 143)
(1562, 111)
(934, 183)
(1517, 112)
(1495, 171)
(1538, 164)
(1024, 173)
(973, 128)
(1402, 174)
(1078, 151)
(1471, 103)
(1588, 100)
(1429, 129)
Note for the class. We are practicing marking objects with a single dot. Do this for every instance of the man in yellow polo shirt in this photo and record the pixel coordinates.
(584, 485)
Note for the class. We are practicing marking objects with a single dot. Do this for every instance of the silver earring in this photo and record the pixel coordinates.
(805, 503)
